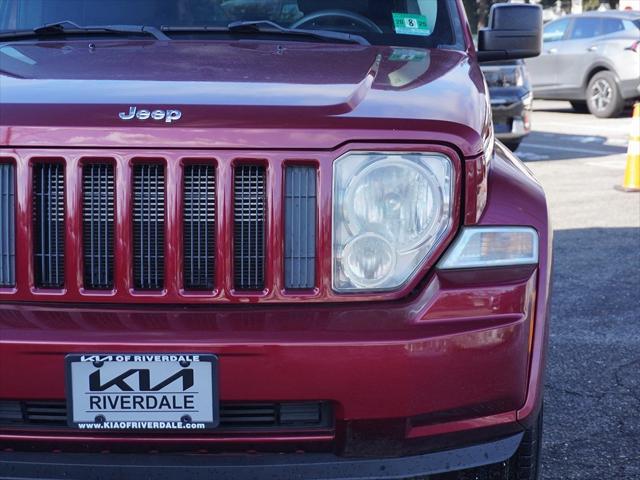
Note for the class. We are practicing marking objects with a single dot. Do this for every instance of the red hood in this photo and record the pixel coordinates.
(62, 93)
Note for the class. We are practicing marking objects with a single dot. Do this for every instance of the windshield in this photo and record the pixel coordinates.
(418, 23)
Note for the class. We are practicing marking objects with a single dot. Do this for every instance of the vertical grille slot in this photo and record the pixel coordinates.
(98, 225)
(148, 226)
(300, 227)
(249, 227)
(199, 226)
(7, 226)
(49, 225)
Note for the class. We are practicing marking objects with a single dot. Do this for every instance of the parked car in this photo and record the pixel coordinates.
(511, 100)
(592, 60)
(265, 239)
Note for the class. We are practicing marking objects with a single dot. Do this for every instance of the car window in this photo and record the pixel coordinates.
(585, 28)
(418, 23)
(554, 31)
(611, 25)
(630, 26)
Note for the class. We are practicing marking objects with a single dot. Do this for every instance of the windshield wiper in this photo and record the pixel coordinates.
(269, 27)
(67, 27)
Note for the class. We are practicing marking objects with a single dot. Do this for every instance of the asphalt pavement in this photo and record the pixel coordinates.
(592, 399)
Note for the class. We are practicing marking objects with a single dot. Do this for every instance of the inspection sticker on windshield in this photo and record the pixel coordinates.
(411, 24)
(142, 391)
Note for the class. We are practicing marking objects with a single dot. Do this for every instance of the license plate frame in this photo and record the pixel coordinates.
(115, 391)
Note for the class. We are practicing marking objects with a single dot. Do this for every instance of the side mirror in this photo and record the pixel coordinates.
(515, 31)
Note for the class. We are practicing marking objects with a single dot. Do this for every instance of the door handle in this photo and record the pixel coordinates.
(592, 48)
(552, 50)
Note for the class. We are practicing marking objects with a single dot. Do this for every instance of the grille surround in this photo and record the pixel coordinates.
(249, 232)
(49, 224)
(148, 216)
(300, 227)
(7, 226)
(199, 226)
(98, 226)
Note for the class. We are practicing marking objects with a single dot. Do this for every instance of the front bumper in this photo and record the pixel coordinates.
(458, 362)
(511, 112)
(454, 358)
(255, 467)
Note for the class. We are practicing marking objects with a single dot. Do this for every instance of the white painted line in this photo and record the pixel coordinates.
(569, 149)
(531, 156)
(618, 142)
(612, 165)
(620, 127)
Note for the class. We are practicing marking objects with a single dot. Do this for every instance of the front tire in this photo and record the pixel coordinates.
(604, 99)
(579, 106)
(524, 465)
(512, 144)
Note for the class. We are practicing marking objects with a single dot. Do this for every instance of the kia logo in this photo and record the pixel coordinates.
(97, 384)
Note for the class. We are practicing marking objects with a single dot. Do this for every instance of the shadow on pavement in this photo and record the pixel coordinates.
(560, 106)
(594, 357)
(544, 146)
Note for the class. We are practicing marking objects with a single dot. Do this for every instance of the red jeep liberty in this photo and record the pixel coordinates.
(265, 239)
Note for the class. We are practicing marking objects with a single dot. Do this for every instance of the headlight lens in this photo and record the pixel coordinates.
(504, 76)
(478, 247)
(369, 260)
(390, 210)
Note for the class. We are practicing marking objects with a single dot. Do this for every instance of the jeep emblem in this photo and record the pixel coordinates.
(167, 115)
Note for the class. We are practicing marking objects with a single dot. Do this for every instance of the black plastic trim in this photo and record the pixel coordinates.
(72, 466)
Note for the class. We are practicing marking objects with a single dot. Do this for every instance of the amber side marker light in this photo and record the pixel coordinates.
(490, 247)
(494, 248)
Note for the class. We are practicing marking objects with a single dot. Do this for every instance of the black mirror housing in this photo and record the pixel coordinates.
(515, 31)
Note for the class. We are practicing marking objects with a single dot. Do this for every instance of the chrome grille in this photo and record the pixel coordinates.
(49, 225)
(148, 226)
(98, 225)
(7, 226)
(300, 227)
(249, 227)
(199, 217)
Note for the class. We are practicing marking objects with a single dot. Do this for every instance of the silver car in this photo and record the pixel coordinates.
(592, 60)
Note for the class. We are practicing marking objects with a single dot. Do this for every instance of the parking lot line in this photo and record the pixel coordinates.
(569, 149)
(614, 129)
(612, 164)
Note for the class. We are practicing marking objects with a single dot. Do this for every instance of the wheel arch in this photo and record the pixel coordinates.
(600, 66)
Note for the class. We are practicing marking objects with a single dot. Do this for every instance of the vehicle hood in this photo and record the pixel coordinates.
(236, 85)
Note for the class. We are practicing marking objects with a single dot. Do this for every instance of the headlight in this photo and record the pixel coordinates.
(478, 247)
(389, 212)
(504, 76)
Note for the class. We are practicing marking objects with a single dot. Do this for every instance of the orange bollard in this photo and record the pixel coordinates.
(631, 181)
